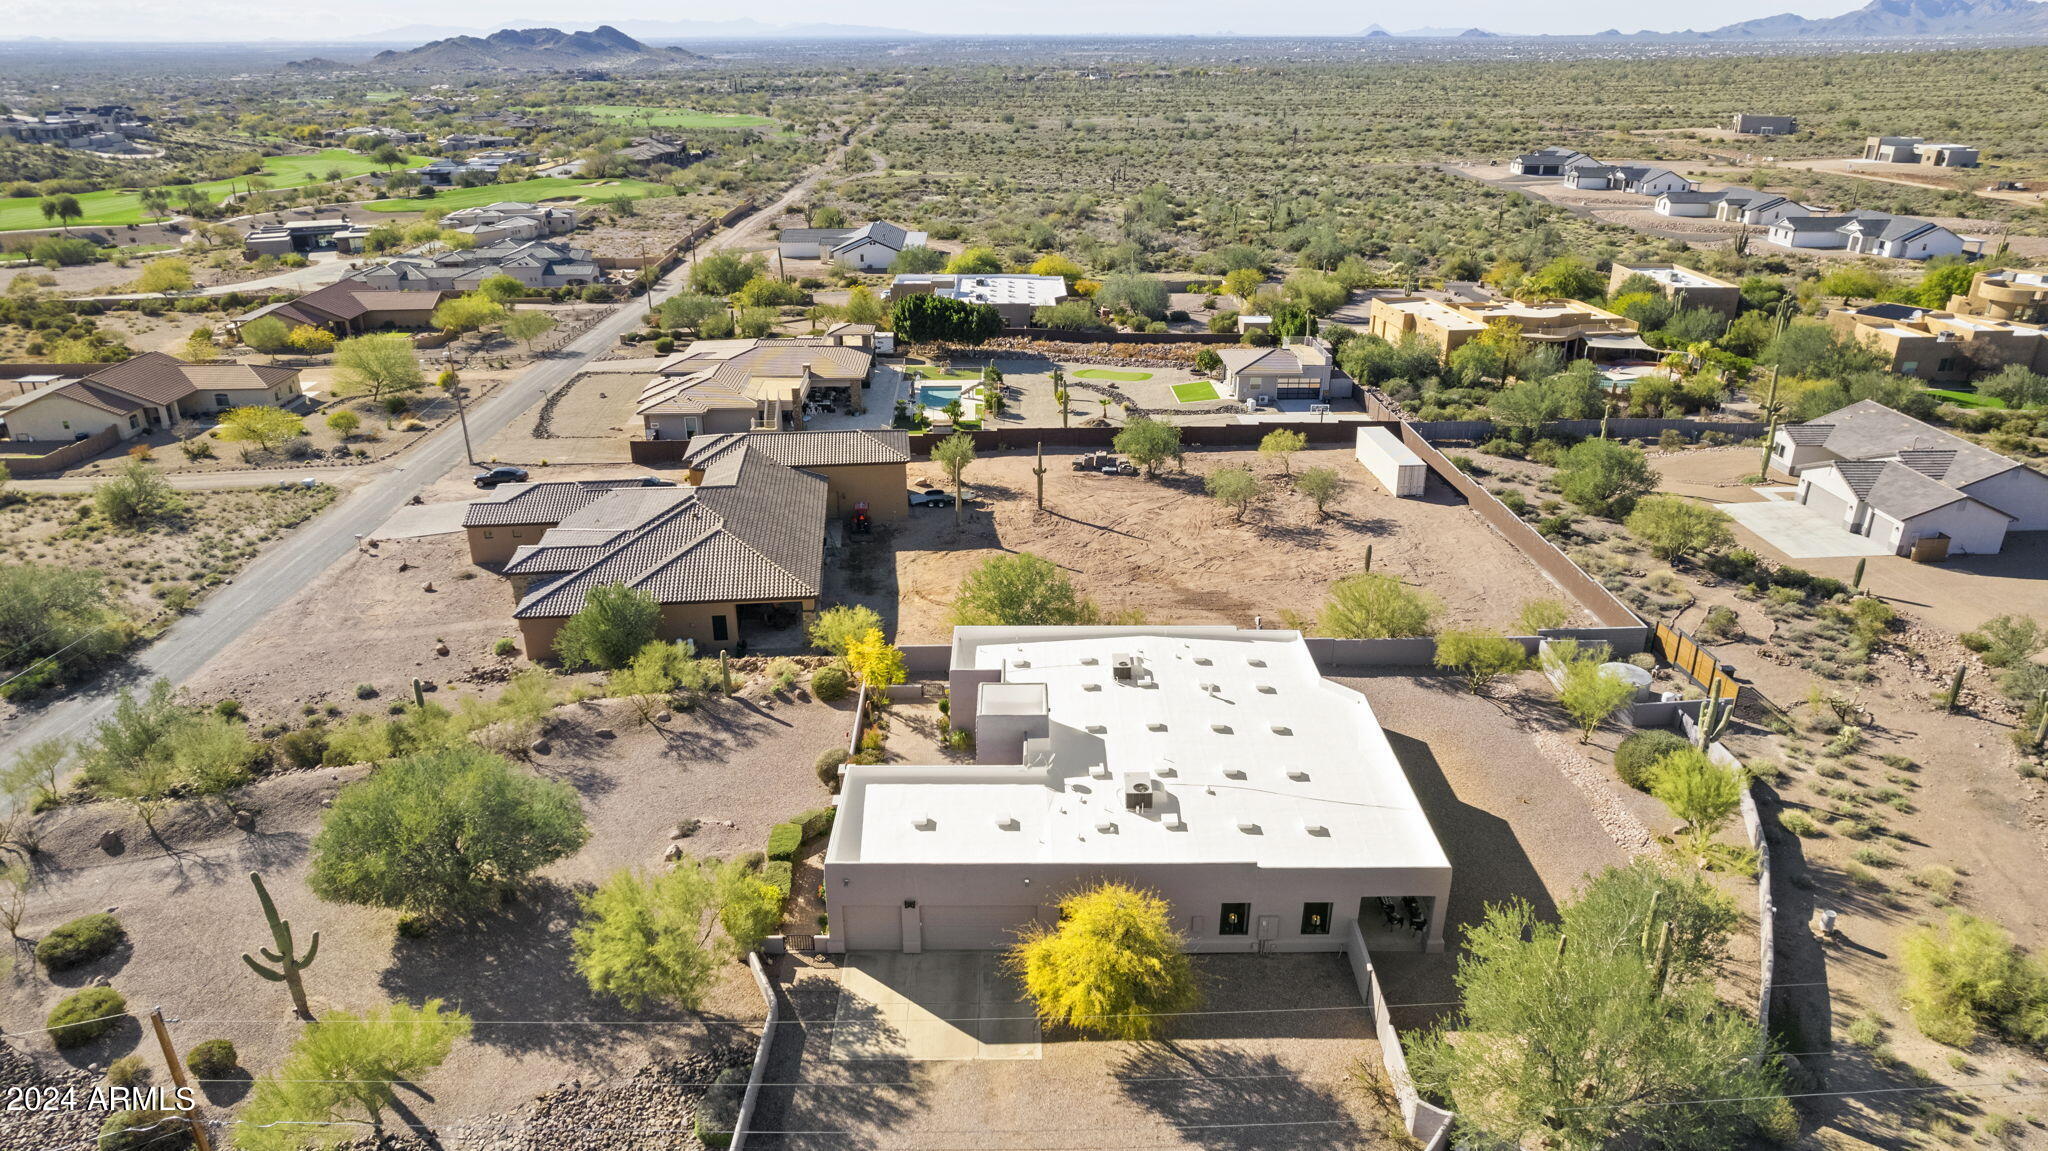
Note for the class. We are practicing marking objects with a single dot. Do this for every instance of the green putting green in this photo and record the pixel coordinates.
(1195, 392)
(1965, 399)
(1111, 374)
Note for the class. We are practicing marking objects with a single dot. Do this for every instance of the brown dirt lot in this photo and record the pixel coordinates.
(1163, 548)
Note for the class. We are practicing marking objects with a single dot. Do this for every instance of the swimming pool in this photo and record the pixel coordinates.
(937, 395)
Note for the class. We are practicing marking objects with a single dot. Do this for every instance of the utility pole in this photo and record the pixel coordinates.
(191, 1113)
(462, 417)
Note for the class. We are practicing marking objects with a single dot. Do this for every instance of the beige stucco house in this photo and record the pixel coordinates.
(735, 549)
(150, 392)
(718, 386)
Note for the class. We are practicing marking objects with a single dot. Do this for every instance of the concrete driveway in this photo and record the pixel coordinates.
(941, 1005)
(1800, 532)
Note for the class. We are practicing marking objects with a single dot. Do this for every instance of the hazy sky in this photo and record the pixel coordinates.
(190, 20)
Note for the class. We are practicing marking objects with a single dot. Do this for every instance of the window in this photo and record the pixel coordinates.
(220, 400)
(489, 534)
(1315, 919)
(718, 629)
(1235, 920)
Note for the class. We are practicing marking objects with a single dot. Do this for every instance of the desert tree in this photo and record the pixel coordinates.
(1020, 589)
(136, 497)
(1114, 965)
(953, 454)
(1589, 694)
(874, 662)
(835, 628)
(346, 1061)
(374, 365)
(528, 326)
(1366, 605)
(1322, 485)
(1234, 487)
(266, 427)
(1149, 443)
(611, 627)
(1697, 790)
(1281, 444)
(1678, 528)
(1480, 655)
(443, 833)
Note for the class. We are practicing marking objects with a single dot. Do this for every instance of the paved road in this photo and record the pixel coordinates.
(299, 558)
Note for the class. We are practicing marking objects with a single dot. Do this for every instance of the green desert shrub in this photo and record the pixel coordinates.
(212, 1059)
(80, 941)
(817, 821)
(827, 766)
(781, 873)
(145, 1131)
(85, 1016)
(1967, 977)
(1637, 753)
(785, 840)
(127, 1071)
(719, 1114)
(831, 684)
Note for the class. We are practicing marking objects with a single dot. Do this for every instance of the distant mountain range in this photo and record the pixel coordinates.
(1886, 19)
(537, 48)
(669, 30)
(1376, 32)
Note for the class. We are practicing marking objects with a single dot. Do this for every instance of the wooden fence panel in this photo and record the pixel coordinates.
(1697, 663)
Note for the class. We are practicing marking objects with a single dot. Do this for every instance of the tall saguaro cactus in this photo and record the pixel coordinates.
(284, 964)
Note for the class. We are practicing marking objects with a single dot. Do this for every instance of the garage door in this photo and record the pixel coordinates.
(974, 928)
(869, 928)
(1299, 393)
(1828, 504)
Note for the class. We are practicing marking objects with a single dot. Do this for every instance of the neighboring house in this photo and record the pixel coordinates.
(1942, 347)
(147, 393)
(1281, 822)
(642, 151)
(1901, 238)
(103, 128)
(1636, 180)
(872, 247)
(1014, 295)
(534, 263)
(1750, 124)
(1758, 209)
(1548, 162)
(354, 305)
(1916, 150)
(1295, 370)
(1574, 326)
(482, 168)
(1883, 474)
(1682, 286)
(1821, 232)
(303, 236)
(1697, 204)
(469, 142)
(553, 219)
(2005, 295)
(865, 466)
(395, 136)
(737, 549)
(719, 386)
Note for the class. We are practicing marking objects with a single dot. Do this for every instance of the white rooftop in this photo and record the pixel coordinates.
(1248, 753)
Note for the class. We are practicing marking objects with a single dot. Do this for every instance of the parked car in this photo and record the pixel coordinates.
(505, 475)
(931, 499)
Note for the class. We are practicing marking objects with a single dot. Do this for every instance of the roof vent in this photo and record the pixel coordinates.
(1097, 729)
(1255, 661)
(925, 823)
(1315, 829)
(1211, 688)
(1166, 771)
(1220, 728)
(1248, 827)
(1106, 827)
(1233, 773)
(1091, 687)
(1298, 775)
(1020, 663)
(1282, 729)
(1203, 661)
(1266, 689)
(1007, 822)
(1155, 725)
(1089, 661)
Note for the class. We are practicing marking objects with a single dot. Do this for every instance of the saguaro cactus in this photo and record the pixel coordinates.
(285, 965)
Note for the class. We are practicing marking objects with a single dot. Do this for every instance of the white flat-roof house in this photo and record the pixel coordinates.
(1013, 294)
(1886, 475)
(1214, 766)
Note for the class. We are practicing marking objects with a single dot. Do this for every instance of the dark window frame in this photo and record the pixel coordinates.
(1309, 912)
(1244, 919)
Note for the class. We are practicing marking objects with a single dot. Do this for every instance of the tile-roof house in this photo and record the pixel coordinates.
(751, 385)
(1685, 203)
(145, 393)
(740, 546)
(361, 303)
(1886, 475)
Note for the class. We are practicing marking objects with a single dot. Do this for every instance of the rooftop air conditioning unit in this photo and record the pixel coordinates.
(1319, 409)
(1139, 791)
(1125, 668)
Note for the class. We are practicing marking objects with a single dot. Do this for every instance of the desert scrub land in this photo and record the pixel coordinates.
(127, 578)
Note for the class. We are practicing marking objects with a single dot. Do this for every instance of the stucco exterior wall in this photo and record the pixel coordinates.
(495, 544)
(675, 426)
(2021, 493)
(60, 419)
(885, 487)
(980, 906)
(1972, 529)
